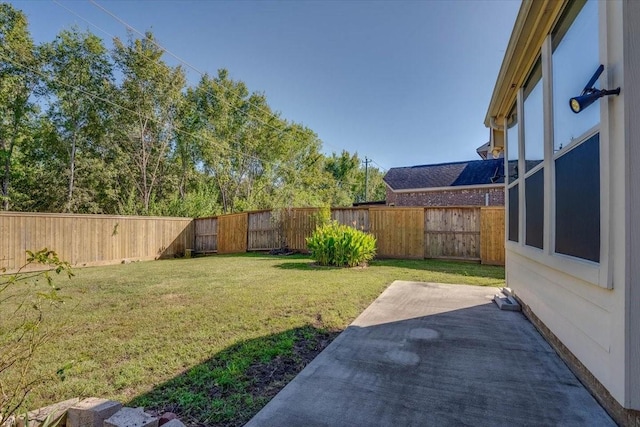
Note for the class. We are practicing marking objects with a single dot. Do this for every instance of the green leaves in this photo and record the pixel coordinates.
(23, 329)
(338, 245)
(88, 130)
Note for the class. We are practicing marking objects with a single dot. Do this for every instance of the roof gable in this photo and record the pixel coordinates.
(476, 172)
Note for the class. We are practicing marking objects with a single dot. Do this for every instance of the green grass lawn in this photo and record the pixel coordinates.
(212, 338)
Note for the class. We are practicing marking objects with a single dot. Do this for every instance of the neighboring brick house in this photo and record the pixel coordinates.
(475, 183)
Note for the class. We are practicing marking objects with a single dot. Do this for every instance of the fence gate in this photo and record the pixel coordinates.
(264, 232)
(399, 231)
(206, 239)
(232, 235)
(452, 232)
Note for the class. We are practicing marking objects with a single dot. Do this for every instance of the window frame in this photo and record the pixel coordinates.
(595, 273)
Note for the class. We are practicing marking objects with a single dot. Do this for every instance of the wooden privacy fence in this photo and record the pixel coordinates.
(91, 239)
(469, 232)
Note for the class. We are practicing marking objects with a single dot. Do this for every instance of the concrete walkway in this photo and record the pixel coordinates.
(435, 355)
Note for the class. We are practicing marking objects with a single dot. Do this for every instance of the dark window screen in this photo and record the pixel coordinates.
(534, 212)
(578, 201)
(513, 213)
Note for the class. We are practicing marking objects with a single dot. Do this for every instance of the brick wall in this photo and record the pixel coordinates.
(468, 197)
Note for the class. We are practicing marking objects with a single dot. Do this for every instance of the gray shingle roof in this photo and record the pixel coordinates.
(474, 172)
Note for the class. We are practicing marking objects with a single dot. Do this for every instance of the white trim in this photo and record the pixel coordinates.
(577, 141)
(508, 184)
(452, 188)
(582, 269)
(522, 169)
(534, 169)
(606, 181)
(549, 170)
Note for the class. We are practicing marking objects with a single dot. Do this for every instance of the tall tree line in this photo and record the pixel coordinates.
(85, 129)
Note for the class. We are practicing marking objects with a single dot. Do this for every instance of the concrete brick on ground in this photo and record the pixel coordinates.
(56, 412)
(174, 423)
(91, 412)
(130, 417)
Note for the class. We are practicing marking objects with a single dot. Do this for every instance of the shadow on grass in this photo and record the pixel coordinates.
(441, 266)
(309, 265)
(232, 386)
(463, 268)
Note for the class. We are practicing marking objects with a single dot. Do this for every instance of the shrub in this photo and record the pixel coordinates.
(24, 298)
(340, 245)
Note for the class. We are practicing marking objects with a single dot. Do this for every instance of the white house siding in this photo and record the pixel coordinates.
(585, 317)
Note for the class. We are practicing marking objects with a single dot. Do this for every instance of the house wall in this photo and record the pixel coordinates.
(592, 308)
(465, 197)
(631, 99)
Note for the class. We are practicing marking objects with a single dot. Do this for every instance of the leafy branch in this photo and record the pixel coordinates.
(24, 298)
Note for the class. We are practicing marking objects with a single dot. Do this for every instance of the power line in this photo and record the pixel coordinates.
(177, 129)
(379, 165)
(152, 119)
(164, 49)
(83, 18)
(296, 177)
(189, 65)
(246, 113)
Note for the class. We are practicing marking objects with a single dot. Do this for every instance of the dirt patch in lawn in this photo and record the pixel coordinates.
(229, 389)
(269, 378)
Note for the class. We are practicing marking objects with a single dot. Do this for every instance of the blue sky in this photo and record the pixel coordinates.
(404, 83)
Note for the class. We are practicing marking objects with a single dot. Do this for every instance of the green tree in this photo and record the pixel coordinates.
(17, 83)
(345, 170)
(302, 179)
(81, 83)
(376, 188)
(238, 140)
(151, 93)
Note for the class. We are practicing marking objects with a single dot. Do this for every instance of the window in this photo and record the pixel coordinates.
(578, 201)
(575, 59)
(511, 170)
(534, 209)
(576, 137)
(534, 156)
(512, 147)
(514, 213)
(571, 220)
(533, 120)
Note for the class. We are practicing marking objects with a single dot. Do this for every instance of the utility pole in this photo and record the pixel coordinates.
(366, 178)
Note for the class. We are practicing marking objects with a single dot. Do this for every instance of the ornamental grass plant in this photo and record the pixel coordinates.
(334, 244)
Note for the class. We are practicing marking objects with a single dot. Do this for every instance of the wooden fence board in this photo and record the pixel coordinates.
(452, 232)
(353, 217)
(232, 233)
(264, 232)
(492, 235)
(206, 239)
(298, 225)
(399, 231)
(91, 239)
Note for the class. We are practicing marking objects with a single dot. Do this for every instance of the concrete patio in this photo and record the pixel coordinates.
(426, 354)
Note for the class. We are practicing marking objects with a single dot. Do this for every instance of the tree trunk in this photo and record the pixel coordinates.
(72, 173)
(6, 178)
